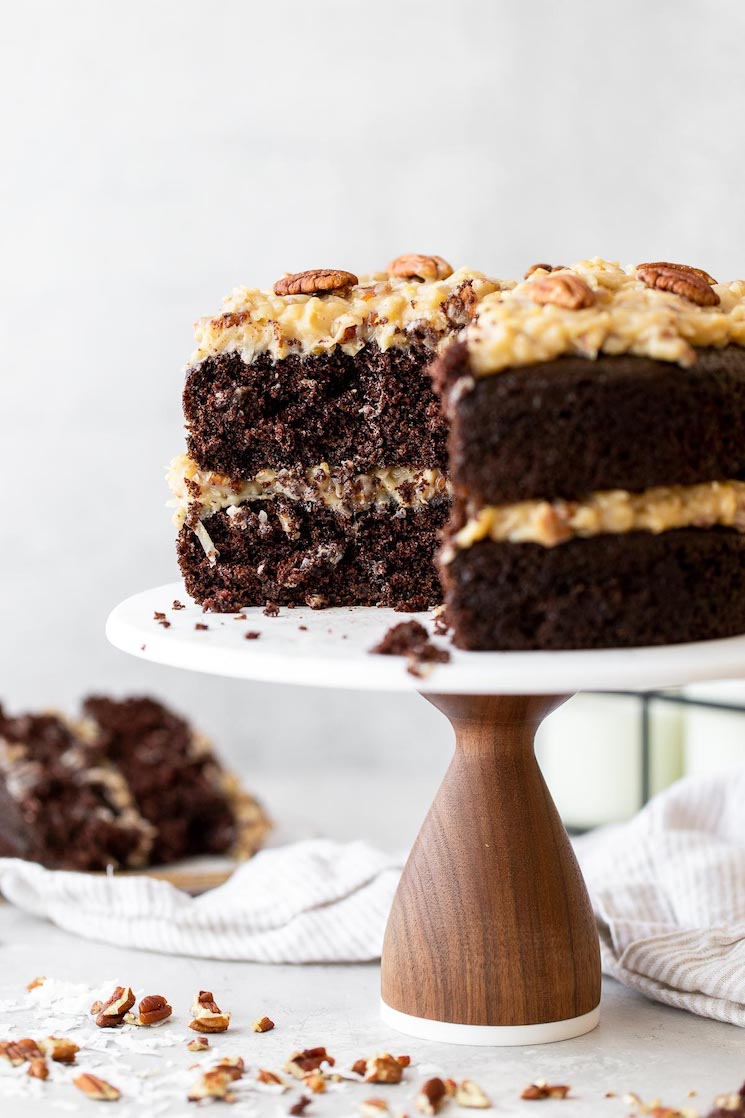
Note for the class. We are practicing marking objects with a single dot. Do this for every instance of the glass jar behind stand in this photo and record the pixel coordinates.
(603, 756)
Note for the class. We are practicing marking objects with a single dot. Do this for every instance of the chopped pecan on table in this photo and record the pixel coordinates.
(59, 1049)
(315, 281)
(315, 1081)
(207, 1017)
(300, 1106)
(110, 1014)
(152, 1010)
(680, 279)
(198, 1044)
(262, 1025)
(374, 1108)
(35, 982)
(38, 1068)
(414, 265)
(10, 1051)
(562, 289)
(213, 1084)
(270, 1077)
(468, 1094)
(302, 1063)
(382, 1068)
(543, 1090)
(431, 1096)
(97, 1089)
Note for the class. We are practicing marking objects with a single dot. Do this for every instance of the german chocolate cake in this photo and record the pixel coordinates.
(597, 459)
(316, 464)
(131, 784)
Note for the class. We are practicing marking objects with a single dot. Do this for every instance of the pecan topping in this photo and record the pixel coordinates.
(431, 1096)
(154, 1009)
(413, 265)
(544, 267)
(316, 281)
(680, 279)
(207, 1017)
(59, 1049)
(38, 1068)
(543, 1090)
(263, 1025)
(97, 1089)
(111, 1013)
(563, 289)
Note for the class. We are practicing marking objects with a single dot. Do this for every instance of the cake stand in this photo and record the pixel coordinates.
(491, 938)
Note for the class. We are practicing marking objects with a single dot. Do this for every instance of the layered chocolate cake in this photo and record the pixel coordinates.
(597, 459)
(129, 785)
(316, 464)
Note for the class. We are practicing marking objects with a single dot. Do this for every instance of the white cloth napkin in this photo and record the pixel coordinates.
(668, 890)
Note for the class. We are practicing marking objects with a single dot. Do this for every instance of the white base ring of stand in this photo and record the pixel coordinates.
(496, 1035)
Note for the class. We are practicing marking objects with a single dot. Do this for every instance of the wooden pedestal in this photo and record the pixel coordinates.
(491, 938)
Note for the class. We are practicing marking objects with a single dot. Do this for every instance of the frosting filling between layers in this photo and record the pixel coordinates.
(384, 309)
(199, 494)
(613, 511)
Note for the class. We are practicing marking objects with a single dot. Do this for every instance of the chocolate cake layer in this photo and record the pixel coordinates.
(605, 592)
(565, 428)
(375, 408)
(287, 552)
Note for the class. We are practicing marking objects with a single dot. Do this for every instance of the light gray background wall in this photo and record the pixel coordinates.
(156, 153)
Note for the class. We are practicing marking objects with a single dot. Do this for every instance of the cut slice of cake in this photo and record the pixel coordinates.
(130, 785)
(316, 465)
(597, 458)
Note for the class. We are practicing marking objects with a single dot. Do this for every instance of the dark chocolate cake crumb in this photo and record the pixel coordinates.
(410, 639)
(201, 627)
(251, 635)
(271, 609)
(177, 604)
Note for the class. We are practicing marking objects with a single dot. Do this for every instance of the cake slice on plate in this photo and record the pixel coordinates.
(597, 458)
(316, 465)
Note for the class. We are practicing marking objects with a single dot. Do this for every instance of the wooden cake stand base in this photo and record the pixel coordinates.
(491, 938)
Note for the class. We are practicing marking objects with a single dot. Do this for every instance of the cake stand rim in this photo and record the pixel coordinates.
(333, 652)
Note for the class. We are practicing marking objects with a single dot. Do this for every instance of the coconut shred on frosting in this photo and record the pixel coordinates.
(627, 316)
(382, 308)
(614, 511)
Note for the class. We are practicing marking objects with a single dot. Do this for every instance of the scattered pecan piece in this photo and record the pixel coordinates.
(315, 1081)
(198, 1044)
(35, 982)
(374, 1108)
(315, 281)
(10, 1051)
(468, 1094)
(153, 1009)
(302, 1063)
(359, 1067)
(262, 1025)
(111, 1012)
(233, 1065)
(543, 1090)
(207, 1017)
(300, 1106)
(562, 289)
(213, 1084)
(38, 1068)
(271, 1077)
(431, 1096)
(413, 265)
(544, 267)
(59, 1049)
(692, 283)
(97, 1089)
(383, 1069)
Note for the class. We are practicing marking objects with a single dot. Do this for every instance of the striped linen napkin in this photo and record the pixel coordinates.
(668, 890)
